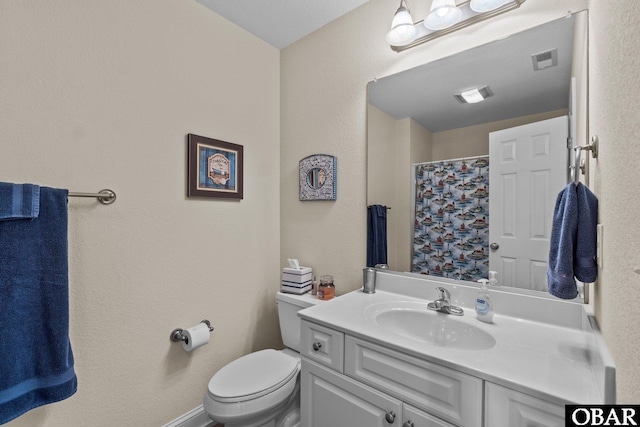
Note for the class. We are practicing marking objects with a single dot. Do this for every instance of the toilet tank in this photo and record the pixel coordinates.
(288, 307)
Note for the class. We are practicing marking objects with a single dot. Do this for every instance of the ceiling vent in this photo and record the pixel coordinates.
(545, 59)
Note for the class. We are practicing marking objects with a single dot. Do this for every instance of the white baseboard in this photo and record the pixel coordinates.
(196, 417)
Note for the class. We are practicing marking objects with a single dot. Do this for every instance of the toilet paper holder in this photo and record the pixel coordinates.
(176, 334)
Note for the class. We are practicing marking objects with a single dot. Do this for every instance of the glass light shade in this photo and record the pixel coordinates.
(486, 5)
(402, 29)
(444, 13)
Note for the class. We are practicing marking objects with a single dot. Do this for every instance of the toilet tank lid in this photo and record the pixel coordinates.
(304, 300)
(253, 375)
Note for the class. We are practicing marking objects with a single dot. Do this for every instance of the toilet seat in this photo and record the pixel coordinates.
(252, 376)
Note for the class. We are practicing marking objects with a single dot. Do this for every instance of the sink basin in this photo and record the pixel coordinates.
(414, 321)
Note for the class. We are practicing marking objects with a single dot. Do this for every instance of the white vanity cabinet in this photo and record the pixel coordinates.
(448, 394)
(322, 345)
(413, 417)
(510, 408)
(368, 385)
(331, 399)
(373, 360)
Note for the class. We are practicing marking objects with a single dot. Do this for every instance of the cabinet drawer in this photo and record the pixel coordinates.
(413, 417)
(448, 394)
(322, 345)
(510, 408)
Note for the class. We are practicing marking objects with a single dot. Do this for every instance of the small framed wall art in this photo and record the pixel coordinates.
(214, 168)
(318, 177)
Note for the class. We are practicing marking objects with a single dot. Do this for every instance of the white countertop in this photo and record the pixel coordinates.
(540, 359)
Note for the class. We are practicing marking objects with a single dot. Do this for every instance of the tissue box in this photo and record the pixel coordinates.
(296, 281)
(295, 289)
(294, 276)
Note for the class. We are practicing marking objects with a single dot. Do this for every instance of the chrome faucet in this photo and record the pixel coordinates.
(443, 304)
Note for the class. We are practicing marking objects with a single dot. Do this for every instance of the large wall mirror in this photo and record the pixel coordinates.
(414, 117)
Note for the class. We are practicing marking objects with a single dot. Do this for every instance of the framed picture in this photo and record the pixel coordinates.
(318, 177)
(215, 168)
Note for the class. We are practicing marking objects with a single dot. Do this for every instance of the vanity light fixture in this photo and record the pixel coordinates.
(402, 29)
(443, 14)
(445, 17)
(474, 95)
(486, 5)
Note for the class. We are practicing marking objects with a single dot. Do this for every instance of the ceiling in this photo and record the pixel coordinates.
(281, 22)
(425, 93)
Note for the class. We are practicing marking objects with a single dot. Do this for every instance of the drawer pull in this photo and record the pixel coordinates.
(317, 346)
(390, 417)
(407, 424)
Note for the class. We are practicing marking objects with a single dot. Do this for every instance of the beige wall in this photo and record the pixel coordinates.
(324, 78)
(393, 146)
(614, 116)
(421, 143)
(97, 94)
(383, 167)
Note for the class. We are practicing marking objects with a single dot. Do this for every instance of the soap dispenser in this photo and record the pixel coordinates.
(493, 281)
(484, 305)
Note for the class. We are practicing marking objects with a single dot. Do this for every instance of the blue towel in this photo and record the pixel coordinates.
(36, 361)
(573, 241)
(563, 237)
(376, 235)
(586, 267)
(19, 201)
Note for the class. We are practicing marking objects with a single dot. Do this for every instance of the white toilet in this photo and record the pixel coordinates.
(262, 389)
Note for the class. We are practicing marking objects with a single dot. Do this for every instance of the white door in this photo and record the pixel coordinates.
(527, 171)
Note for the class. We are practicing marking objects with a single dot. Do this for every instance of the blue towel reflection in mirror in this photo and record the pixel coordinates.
(376, 235)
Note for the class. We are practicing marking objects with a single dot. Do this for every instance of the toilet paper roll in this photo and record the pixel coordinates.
(196, 336)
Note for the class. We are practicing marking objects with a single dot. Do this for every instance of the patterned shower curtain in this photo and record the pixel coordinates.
(451, 237)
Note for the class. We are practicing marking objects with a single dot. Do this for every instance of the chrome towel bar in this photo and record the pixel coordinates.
(106, 197)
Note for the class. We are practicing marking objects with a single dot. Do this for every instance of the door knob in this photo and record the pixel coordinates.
(407, 424)
(494, 246)
(317, 346)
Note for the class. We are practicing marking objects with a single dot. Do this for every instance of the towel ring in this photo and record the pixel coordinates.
(580, 163)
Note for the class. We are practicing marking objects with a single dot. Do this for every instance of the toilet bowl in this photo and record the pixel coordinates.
(262, 389)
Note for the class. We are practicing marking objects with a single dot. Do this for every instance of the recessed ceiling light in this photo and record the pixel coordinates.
(474, 95)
